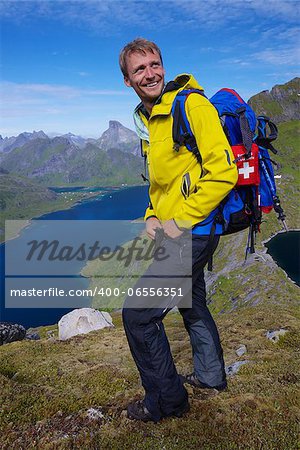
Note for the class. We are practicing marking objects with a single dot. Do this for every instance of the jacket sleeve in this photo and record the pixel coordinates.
(218, 171)
(149, 212)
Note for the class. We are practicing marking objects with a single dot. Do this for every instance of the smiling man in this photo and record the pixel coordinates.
(185, 191)
(146, 76)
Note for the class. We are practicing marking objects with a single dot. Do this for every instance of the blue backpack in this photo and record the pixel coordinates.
(251, 139)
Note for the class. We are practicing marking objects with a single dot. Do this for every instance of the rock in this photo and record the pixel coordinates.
(50, 334)
(234, 368)
(11, 332)
(274, 335)
(120, 137)
(241, 350)
(32, 336)
(82, 321)
(95, 414)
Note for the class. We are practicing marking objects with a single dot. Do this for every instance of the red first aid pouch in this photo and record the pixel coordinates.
(248, 168)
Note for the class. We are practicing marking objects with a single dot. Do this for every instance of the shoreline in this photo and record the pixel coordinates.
(107, 189)
(278, 232)
(265, 251)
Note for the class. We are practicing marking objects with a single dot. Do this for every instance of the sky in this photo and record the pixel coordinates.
(59, 67)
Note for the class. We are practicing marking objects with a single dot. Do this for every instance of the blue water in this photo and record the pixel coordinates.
(285, 250)
(82, 189)
(125, 204)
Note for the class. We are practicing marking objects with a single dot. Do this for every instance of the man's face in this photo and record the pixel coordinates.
(145, 75)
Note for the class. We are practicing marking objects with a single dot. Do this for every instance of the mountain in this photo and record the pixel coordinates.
(281, 103)
(76, 140)
(116, 136)
(71, 159)
(9, 143)
(119, 137)
(18, 192)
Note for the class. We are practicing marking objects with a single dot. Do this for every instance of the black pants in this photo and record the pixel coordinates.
(164, 393)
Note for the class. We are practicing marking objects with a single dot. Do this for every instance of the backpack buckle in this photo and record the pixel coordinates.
(240, 110)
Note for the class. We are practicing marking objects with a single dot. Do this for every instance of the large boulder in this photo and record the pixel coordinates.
(10, 332)
(82, 321)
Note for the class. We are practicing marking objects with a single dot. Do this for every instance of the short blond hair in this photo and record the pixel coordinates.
(139, 45)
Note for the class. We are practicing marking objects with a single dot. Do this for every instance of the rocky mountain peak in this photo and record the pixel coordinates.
(114, 124)
(9, 143)
(119, 137)
(281, 103)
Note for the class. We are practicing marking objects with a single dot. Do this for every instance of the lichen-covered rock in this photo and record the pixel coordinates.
(274, 335)
(10, 332)
(241, 350)
(82, 321)
(33, 336)
(234, 368)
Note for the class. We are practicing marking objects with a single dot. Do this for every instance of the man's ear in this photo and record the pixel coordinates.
(127, 82)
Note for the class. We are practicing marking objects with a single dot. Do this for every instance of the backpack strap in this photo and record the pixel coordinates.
(265, 137)
(144, 175)
(182, 133)
(247, 133)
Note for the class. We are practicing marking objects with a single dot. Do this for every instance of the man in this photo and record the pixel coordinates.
(183, 190)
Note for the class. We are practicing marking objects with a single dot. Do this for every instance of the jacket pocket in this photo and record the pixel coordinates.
(186, 185)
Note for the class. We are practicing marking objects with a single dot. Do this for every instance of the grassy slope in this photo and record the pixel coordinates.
(45, 402)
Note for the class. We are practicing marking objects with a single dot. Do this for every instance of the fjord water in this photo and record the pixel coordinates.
(125, 204)
(128, 204)
(285, 250)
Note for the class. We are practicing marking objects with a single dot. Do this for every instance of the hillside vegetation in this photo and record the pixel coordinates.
(73, 394)
(281, 103)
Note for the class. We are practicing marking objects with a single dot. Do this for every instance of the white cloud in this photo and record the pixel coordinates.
(105, 17)
(279, 56)
(228, 10)
(15, 91)
(60, 107)
(236, 61)
(109, 16)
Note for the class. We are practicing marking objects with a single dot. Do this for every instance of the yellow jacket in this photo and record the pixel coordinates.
(181, 188)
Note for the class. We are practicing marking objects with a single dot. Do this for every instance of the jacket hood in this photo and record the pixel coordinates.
(183, 81)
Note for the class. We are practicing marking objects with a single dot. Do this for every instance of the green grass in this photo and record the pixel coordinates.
(48, 386)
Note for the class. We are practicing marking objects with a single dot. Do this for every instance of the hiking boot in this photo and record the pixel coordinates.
(193, 381)
(138, 411)
(182, 412)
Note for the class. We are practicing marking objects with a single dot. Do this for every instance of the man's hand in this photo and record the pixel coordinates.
(151, 224)
(171, 229)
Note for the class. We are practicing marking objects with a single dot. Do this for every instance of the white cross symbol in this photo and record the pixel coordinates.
(246, 170)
